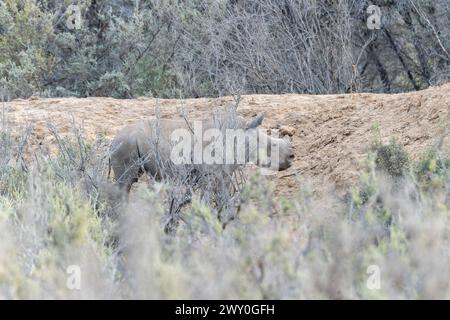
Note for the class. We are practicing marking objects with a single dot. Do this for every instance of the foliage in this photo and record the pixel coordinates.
(125, 48)
(56, 215)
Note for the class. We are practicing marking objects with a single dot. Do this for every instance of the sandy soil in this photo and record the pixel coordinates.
(331, 133)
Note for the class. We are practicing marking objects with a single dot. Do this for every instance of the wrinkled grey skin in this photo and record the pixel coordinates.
(146, 146)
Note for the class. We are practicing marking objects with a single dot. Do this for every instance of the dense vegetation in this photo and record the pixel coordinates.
(166, 48)
(387, 237)
(61, 211)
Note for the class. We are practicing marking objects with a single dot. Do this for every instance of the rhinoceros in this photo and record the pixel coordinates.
(147, 146)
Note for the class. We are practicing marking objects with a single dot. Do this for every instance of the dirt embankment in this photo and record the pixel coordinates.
(331, 133)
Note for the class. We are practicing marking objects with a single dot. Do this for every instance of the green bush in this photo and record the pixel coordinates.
(432, 169)
(391, 159)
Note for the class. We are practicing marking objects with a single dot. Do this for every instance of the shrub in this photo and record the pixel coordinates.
(205, 48)
(290, 248)
(391, 159)
(432, 169)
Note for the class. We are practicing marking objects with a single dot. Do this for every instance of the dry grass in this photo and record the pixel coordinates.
(58, 212)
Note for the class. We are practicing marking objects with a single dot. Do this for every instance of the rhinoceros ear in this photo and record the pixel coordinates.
(255, 122)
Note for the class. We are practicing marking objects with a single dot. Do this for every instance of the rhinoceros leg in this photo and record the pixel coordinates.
(125, 176)
(126, 173)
